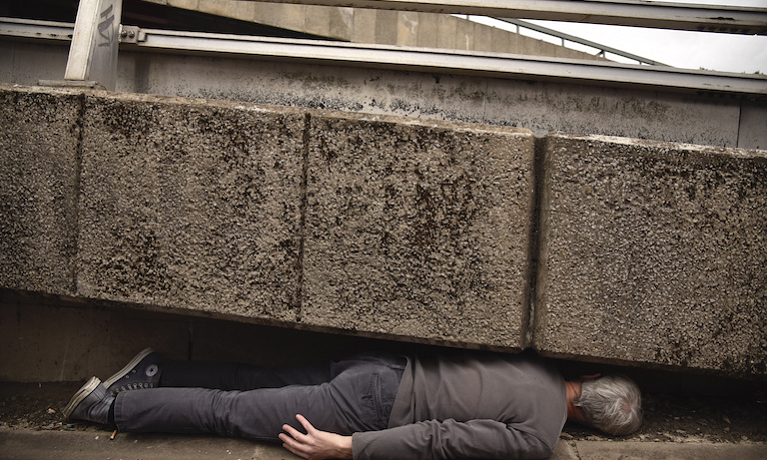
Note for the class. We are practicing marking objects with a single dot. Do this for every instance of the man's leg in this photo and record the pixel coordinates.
(148, 369)
(237, 376)
(358, 398)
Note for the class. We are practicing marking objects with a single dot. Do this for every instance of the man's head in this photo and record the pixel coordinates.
(612, 403)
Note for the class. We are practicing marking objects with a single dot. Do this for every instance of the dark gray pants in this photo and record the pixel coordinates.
(238, 400)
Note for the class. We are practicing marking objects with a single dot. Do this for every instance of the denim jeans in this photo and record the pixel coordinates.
(236, 400)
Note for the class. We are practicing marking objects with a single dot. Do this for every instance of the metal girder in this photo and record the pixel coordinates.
(659, 15)
(466, 63)
(418, 59)
(572, 38)
(29, 28)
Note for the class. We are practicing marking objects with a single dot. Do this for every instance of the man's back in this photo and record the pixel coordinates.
(472, 405)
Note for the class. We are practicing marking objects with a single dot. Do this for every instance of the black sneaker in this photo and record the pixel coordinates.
(91, 402)
(142, 372)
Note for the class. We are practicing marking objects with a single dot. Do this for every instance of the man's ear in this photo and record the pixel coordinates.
(591, 377)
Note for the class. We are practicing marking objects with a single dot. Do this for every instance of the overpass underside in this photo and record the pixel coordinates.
(423, 204)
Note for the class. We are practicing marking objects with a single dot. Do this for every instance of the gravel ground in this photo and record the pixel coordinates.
(668, 417)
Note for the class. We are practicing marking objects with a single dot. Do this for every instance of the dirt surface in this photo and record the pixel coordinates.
(38, 406)
(668, 417)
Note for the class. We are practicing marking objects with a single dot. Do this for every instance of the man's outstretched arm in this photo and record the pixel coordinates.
(315, 444)
(450, 439)
(430, 439)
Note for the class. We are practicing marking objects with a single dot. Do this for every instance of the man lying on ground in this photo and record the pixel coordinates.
(459, 405)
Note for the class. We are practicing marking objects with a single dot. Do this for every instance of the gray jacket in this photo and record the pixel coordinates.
(478, 406)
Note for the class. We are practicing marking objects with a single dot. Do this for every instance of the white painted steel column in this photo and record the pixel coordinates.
(94, 48)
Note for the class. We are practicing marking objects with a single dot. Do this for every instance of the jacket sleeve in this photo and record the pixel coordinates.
(449, 439)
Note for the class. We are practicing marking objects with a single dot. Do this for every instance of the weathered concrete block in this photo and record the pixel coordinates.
(418, 230)
(191, 204)
(38, 188)
(654, 253)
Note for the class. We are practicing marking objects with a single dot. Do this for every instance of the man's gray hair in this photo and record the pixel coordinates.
(612, 403)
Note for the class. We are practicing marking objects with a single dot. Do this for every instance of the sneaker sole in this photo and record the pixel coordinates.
(124, 371)
(81, 394)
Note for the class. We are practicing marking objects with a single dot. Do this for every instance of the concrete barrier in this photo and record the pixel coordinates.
(191, 204)
(647, 254)
(418, 230)
(365, 224)
(653, 253)
(39, 153)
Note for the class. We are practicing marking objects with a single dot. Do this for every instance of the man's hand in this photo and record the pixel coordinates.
(315, 444)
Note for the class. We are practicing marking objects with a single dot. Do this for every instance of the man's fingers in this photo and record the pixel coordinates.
(287, 445)
(313, 445)
(294, 445)
(305, 423)
(294, 433)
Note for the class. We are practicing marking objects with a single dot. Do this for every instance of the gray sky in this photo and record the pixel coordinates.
(691, 50)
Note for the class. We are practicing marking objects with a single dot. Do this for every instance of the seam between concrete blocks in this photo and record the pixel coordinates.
(740, 124)
(80, 126)
(535, 243)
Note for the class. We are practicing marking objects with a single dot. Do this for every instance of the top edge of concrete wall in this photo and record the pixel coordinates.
(541, 106)
(388, 118)
(258, 107)
(628, 141)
